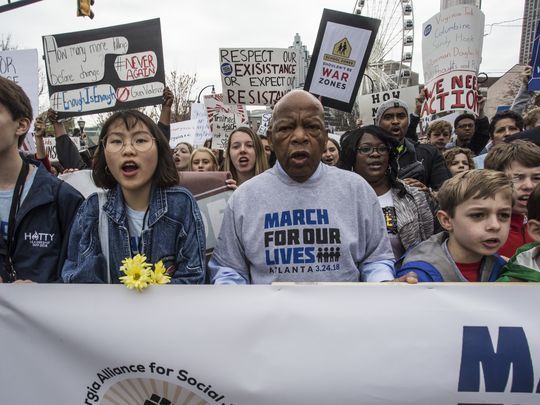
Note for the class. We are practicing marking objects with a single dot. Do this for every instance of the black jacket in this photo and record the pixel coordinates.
(435, 170)
(42, 227)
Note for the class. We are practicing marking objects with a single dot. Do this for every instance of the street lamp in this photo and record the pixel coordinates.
(205, 87)
(81, 124)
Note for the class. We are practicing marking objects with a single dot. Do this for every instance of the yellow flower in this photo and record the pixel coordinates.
(137, 272)
(159, 275)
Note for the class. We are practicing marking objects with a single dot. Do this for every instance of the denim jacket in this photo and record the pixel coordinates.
(175, 234)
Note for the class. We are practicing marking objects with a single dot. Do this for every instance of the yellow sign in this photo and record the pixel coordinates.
(341, 53)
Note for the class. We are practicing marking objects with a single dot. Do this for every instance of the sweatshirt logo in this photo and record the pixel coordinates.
(39, 239)
(302, 238)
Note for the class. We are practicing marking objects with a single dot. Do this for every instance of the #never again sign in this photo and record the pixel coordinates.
(105, 69)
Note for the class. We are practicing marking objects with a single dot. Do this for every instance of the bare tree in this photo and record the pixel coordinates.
(5, 43)
(181, 85)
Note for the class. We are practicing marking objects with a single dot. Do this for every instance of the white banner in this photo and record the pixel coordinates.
(369, 103)
(281, 344)
(183, 131)
(21, 67)
(255, 76)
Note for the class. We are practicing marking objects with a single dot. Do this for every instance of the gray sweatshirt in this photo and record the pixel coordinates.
(328, 228)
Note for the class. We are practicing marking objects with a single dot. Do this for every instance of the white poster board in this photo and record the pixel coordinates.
(50, 146)
(21, 67)
(202, 132)
(452, 51)
(265, 123)
(257, 76)
(183, 131)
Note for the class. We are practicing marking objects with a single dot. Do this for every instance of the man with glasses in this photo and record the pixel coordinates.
(520, 160)
(36, 209)
(312, 222)
(419, 165)
(471, 132)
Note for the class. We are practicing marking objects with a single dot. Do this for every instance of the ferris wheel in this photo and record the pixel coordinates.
(390, 63)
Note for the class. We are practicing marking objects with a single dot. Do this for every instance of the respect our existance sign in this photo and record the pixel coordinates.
(105, 69)
(257, 76)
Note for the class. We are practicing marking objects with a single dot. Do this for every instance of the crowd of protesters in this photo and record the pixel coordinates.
(377, 205)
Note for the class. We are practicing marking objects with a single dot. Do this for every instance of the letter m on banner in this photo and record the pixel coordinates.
(512, 350)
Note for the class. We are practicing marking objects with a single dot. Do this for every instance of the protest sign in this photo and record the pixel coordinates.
(453, 343)
(21, 67)
(105, 69)
(455, 90)
(369, 103)
(50, 146)
(452, 51)
(534, 82)
(183, 131)
(255, 76)
(202, 130)
(340, 56)
(223, 118)
(265, 122)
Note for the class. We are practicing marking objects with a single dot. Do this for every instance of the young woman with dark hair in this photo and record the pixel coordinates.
(144, 211)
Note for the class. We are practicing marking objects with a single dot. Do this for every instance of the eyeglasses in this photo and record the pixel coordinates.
(140, 142)
(368, 150)
(465, 126)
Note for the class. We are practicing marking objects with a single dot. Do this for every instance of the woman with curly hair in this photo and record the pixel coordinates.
(369, 151)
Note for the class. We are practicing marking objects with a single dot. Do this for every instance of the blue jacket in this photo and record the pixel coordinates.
(42, 227)
(431, 261)
(175, 234)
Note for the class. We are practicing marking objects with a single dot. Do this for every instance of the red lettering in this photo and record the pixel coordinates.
(439, 86)
(441, 97)
(458, 103)
(326, 71)
(457, 82)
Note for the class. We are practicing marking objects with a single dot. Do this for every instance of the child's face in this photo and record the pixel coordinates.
(524, 180)
(459, 164)
(131, 155)
(202, 162)
(479, 227)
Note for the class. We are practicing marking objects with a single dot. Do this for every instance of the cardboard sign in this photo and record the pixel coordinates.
(340, 56)
(452, 52)
(21, 67)
(254, 76)
(452, 40)
(265, 123)
(183, 131)
(534, 82)
(105, 69)
(223, 125)
(369, 103)
(202, 130)
(220, 118)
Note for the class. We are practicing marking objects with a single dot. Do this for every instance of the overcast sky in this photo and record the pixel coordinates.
(193, 31)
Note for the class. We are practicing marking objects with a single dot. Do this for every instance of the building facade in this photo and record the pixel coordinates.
(531, 15)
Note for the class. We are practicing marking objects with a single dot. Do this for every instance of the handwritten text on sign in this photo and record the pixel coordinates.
(457, 90)
(452, 40)
(257, 76)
